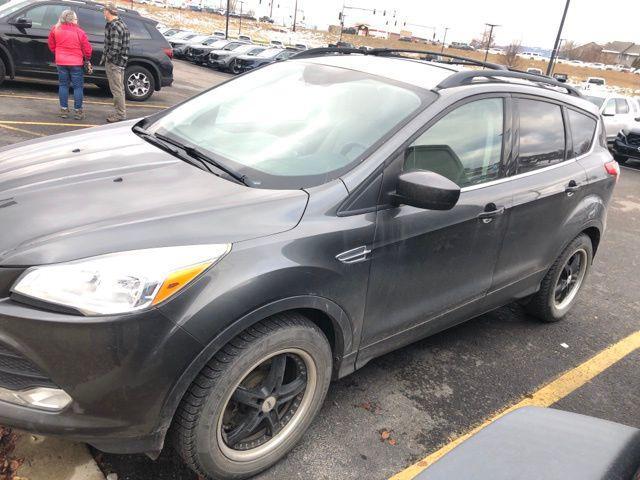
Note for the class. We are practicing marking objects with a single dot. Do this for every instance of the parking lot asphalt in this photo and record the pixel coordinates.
(437, 388)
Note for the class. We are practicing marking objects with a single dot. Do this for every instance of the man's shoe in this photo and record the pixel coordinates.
(114, 118)
(78, 114)
(64, 113)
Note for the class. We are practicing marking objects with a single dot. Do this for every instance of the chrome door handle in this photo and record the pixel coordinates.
(491, 211)
(572, 188)
(355, 255)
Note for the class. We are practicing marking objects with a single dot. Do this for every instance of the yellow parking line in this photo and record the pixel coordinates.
(21, 130)
(90, 102)
(47, 124)
(544, 397)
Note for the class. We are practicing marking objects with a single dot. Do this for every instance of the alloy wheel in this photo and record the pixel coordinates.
(570, 279)
(138, 84)
(266, 405)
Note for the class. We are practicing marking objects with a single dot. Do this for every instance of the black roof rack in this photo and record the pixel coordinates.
(494, 71)
(466, 78)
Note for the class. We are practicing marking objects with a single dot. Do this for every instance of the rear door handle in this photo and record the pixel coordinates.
(490, 212)
(572, 188)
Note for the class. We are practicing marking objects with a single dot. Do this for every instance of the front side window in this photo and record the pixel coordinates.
(91, 21)
(542, 141)
(622, 107)
(465, 145)
(583, 129)
(293, 124)
(44, 16)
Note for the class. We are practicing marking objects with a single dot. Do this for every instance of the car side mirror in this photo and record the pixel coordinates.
(425, 189)
(22, 22)
(609, 112)
(637, 119)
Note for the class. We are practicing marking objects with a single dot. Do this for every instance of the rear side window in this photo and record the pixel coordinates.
(582, 130)
(91, 21)
(542, 141)
(137, 31)
(465, 145)
(622, 106)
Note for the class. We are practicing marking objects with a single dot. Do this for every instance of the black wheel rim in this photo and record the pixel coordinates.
(570, 279)
(264, 402)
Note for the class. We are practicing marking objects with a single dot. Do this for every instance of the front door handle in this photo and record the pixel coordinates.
(491, 211)
(572, 188)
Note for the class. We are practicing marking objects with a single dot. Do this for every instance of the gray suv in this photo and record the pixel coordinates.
(201, 275)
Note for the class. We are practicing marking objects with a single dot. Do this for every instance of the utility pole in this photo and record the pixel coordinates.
(271, 11)
(556, 45)
(553, 67)
(226, 27)
(240, 24)
(444, 39)
(295, 16)
(491, 27)
(341, 22)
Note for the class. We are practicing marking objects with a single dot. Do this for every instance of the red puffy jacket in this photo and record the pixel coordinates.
(70, 45)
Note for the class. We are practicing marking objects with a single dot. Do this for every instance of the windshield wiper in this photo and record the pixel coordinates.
(198, 154)
(152, 139)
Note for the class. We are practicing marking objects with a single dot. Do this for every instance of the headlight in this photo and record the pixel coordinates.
(119, 282)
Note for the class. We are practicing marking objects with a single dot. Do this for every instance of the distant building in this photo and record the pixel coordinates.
(623, 53)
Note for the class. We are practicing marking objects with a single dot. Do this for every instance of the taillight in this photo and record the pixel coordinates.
(612, 168)
(168, 52)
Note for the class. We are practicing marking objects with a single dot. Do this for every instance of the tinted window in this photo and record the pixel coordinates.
(582, 131)
(137, 30)
(465, 146)
(44, 16)
(541, 135)
(91, 21)
(622, 106)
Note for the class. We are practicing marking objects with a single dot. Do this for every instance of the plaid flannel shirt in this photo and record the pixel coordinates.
(116, 43)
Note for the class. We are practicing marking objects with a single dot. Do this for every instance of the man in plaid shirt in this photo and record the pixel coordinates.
(114, 57)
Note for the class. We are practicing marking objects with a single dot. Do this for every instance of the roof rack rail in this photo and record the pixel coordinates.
(466, 77)
(492, 72)
(317, 52)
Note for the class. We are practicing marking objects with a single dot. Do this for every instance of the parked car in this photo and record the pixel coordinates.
(200, 53)
(171, 32)
(195, 8)
(597, 83)
(559, 445)
(301, 46)
(181, 46)
(266, 19)
(244, 63)
(561, 77)
(188, 39)
(245, 38)
(205, 272)
(276, 43)
(619, 112)
(24, 31)
(224, 59)
(626, 145)
(535, 71)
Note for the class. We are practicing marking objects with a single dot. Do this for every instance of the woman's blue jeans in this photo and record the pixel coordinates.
(73, 76)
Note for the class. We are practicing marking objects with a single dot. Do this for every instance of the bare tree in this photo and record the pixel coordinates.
(511, 58)
(482, 41)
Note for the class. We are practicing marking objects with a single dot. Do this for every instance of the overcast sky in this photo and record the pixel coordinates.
(534, 23)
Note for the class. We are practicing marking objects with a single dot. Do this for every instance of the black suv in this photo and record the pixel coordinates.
(200, 275)
(24, 30)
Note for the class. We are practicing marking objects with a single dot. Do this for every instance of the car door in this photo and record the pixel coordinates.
(427, 264)
(547, 184)
(93, 22)
(28, 37)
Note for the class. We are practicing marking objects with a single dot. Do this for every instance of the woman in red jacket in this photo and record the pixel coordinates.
(71, 47)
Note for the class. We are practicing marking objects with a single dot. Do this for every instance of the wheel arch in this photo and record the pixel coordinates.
(326, 314)
(8, 61)
(141, 62)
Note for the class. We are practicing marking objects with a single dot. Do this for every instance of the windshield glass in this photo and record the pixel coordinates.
(232, 46)
(11, 6)
(215, 42)
(597, 101)
(292, 125)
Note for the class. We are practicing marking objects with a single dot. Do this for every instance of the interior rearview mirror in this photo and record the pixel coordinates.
(425, 189)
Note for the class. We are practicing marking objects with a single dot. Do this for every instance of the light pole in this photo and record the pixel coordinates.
(556, 45)
(444, 39)
(295, 16)
(491, 27)
(226, 27)
(240, 19)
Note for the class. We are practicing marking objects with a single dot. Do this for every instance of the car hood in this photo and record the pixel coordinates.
(221, 52)
(106, 190)
(635, 129)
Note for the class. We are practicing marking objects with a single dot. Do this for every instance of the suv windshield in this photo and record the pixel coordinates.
(293, 125)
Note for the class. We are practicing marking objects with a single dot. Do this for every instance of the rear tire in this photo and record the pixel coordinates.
(562, 283)
(139, 84)
(234, 422)
(620, 159)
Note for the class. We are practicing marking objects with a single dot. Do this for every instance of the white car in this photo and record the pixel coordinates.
(619, 112)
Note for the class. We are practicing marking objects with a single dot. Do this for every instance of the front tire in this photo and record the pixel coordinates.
(562, 283)
(139, 84)
(255, 399)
